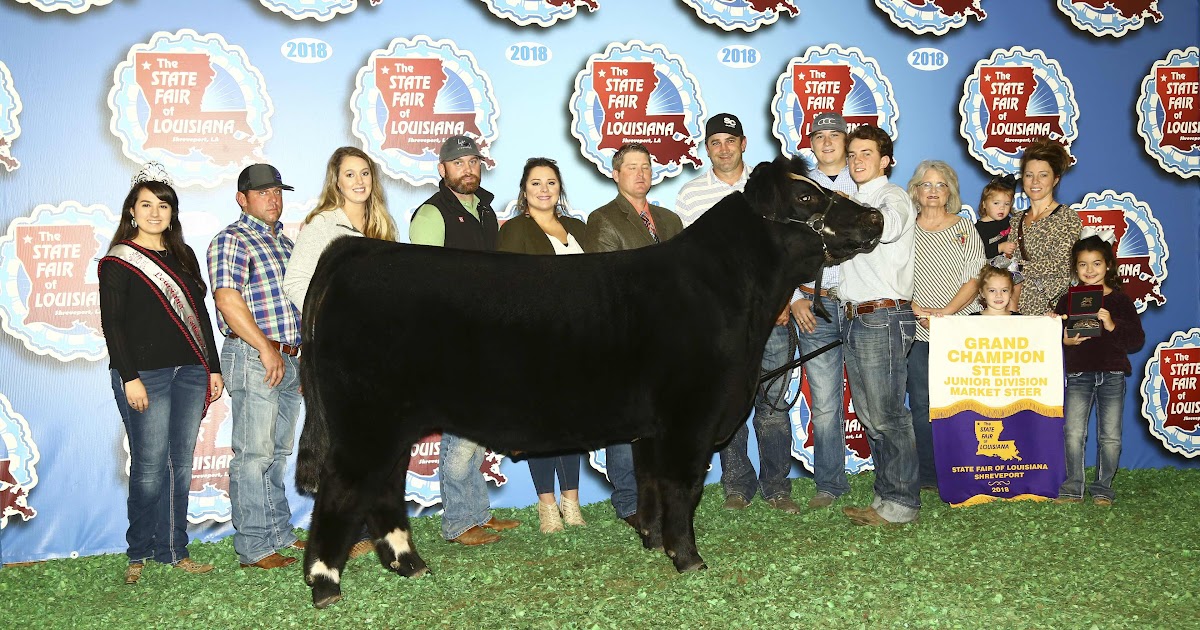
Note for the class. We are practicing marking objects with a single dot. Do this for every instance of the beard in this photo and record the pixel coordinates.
(458, 185)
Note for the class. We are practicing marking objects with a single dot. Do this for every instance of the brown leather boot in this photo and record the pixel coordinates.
(475, 536)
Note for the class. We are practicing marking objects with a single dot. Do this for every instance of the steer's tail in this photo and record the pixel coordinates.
(314, 440)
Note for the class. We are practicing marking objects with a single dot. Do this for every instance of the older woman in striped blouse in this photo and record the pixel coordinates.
(947, 256)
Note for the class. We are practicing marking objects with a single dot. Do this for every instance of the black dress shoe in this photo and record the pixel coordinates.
(633, 521)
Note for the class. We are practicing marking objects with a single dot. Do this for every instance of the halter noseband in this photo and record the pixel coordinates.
(815, 221)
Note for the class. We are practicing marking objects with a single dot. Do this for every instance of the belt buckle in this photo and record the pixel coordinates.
(833, 292)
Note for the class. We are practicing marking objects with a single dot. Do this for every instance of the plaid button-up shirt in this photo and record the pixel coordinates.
(249, 259)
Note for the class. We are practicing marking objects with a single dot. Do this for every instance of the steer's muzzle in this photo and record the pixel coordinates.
(855, 229)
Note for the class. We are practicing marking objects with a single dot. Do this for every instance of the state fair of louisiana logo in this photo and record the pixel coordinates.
(1110, 17)
(1011, 99)
(193, 103)
(51, 297)
(746, 15)
(70, 6)
(319, 10)
(931, 16)
(423, 484)
(18, 456)
(1141, 248)
(412, 96)
(1171, 393)
(10, 106)
(831, 79)
(858, 450)
(636, 92)
(543, 13)
(1169, 114)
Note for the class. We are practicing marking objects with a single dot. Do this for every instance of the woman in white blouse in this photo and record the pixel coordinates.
(542, 227)
(351, 204)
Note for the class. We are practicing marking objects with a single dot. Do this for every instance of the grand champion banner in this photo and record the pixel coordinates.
(995, 400)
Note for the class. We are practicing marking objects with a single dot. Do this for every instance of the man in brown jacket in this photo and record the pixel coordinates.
(628, 222)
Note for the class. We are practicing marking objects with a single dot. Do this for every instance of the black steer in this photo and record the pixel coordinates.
(660, 346)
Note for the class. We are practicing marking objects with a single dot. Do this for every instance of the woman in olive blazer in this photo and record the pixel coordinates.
(542, 227)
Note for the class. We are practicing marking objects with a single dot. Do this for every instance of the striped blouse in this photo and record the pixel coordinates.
(942, 262)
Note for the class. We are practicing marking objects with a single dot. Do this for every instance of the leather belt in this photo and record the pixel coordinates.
(831, 292)
(283, 348)
(862, 308)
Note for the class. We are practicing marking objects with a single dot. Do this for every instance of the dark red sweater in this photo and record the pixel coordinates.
(1110, 351)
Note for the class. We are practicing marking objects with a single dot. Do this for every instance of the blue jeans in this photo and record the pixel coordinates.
(876, 349)
(1107, 391)
(264, 430)
(542, 470)
(774, 431)
(465, 502)
(918, 402)
(827, 416)
(162, 440)
(618, 461)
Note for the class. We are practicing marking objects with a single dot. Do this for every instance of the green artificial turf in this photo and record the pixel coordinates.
(1001, 565)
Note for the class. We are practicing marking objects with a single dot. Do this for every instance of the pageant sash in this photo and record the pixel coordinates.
(174, 297)
(996, 404)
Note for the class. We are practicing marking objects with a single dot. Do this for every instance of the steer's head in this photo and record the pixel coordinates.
(782, 191)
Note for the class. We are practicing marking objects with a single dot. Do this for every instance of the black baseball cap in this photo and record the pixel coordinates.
(723, 123)
(260, 176)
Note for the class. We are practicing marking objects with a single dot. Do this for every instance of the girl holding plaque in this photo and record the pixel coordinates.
(1096, 369)
(164, 366)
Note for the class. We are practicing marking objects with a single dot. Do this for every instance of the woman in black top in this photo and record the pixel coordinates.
(164, 367)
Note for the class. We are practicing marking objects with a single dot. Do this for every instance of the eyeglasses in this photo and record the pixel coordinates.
(935, 185)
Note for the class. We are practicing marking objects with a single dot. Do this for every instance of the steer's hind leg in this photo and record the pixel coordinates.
(645, 466)
(387, 522)
(337, 519)
(680, 487)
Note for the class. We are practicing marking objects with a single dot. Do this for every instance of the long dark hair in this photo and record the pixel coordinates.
(1112, 279)
(172, 237)
(532, 163)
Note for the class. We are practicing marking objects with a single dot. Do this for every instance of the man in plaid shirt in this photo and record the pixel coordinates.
(246, 262)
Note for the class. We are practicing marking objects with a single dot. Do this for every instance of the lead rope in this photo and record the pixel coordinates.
(765, 386)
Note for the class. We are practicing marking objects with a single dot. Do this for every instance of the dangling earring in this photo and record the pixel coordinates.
(168, 227)
(133, 222)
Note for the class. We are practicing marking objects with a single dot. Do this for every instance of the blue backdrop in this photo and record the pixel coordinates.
(61, 430)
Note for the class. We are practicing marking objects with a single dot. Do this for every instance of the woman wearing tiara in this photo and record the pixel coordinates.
(164, 366)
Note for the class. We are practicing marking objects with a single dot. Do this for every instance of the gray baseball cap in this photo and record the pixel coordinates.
(260, 176)
(458, 146)
(828, 121)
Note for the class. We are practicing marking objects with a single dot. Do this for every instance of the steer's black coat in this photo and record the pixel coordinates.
(661, 345)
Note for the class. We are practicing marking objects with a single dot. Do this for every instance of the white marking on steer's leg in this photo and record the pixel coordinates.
(320, 570)
(400, 541)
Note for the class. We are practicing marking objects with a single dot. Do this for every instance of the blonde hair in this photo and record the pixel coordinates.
(378, 221)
